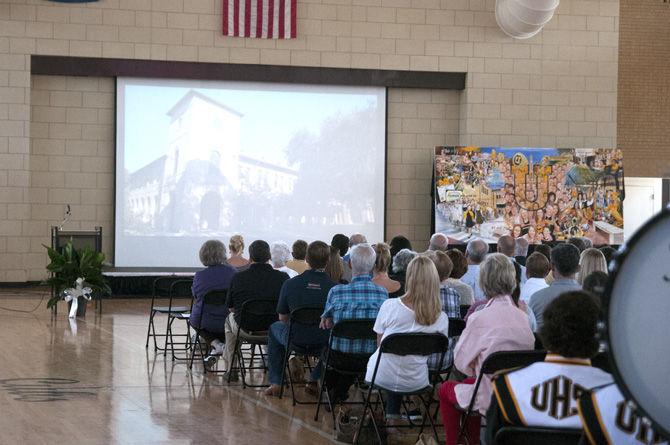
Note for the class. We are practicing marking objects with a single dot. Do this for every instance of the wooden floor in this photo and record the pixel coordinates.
(91, 381)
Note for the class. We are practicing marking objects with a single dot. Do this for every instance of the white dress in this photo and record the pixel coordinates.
(402, 373)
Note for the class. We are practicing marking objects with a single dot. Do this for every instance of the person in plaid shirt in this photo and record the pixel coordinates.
(360, 299)
(451, 303)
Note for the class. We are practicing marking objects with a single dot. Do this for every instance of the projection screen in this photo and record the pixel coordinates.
(198, 160)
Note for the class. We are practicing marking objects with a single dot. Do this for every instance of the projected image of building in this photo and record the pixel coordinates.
(197, 185)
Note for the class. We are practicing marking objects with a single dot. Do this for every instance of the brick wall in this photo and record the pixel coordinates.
(556, 89)
(644, 85)
(71, 162)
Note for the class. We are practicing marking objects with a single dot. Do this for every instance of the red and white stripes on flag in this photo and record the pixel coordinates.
(262, 19)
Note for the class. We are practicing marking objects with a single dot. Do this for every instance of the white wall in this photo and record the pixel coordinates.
(643, 200)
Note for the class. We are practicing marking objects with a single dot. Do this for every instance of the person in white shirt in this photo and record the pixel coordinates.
(280, 256)
(418, 310)
(545, 394)
(537, 268)
(609, 419)
(475, 253)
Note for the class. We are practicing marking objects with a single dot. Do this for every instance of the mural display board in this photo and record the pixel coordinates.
(540, 194)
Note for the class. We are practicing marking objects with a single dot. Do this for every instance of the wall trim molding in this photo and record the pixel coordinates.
(107, 67)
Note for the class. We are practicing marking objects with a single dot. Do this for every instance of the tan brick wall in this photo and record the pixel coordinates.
(644, 85)
(71, 162)
(556, 89)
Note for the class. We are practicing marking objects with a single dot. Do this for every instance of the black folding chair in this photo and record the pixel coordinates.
(464, 310)
(170, 288)
(304, 317)
(186, 317)
(353, 329)
(514, 435)
(496, 362)
(456, 327)
(256, 316)
(403, 345)
(214, 304)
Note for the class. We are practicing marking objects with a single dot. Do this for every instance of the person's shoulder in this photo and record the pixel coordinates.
(279, 274)
(375, 287)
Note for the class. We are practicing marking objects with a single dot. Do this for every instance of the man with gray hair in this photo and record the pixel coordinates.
(358, 300)
(438, 242)
(475, 253)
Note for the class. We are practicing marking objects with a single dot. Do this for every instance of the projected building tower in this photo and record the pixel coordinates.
(193, 188)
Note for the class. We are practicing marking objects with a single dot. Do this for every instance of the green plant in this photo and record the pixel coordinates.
(71, 264)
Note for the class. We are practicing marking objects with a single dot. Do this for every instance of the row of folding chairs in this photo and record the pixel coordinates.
(256, 316)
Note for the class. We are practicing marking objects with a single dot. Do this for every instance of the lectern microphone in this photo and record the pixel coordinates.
(66, 216)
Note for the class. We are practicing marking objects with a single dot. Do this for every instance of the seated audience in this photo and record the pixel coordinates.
(475, 253)
(520, 250)
(454, 281)
(380, 273)
(236, 246)
(499, 326)
(564, 267)
(359, 300)
(400, 262)
(591, 260)
(537, 268)
(309, 289)
(609, 419)
(280, 255)
(609, 252)
(595, 283)
(334, 268)
(298, 263)
(217, 275)
(506, 246)
(545, 394)
(398, 243)
(438, 242)
(419, 310)
(259, 282)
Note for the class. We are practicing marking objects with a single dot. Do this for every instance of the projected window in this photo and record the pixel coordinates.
(199, 160)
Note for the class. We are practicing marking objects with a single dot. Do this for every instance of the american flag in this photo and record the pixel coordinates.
(263, 19)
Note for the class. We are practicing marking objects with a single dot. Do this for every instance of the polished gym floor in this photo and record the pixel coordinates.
(92, 381)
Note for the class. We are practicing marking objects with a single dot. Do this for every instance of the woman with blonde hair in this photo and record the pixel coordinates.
(591, 260)
(499, 326)
(236, 247)
(380, 274)
(418, 310)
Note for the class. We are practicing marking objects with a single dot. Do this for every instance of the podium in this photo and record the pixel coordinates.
(80, 239)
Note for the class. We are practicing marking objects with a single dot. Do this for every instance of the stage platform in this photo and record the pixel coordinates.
(134, 281)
